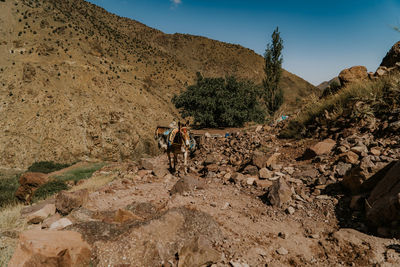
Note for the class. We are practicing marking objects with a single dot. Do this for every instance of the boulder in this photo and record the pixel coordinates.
(259, 159)
(41, 214)
(353, 74)
(51, 248)
(147, 163)
(321, 148)
(67, 201)
(186, 184)
(198, 252)
(122, 216)
(383, 204)
(60, 224)
(279, 193)
(29, 182)
(264, 173)
(160, 172)
(392, 57)
(237, 178)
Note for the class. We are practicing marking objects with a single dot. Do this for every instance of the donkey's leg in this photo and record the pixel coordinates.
(185, 160)
(169, 160)
(175, 159)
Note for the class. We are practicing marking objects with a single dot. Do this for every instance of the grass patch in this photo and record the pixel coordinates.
(376, 96)
(8, 186)
(47, 166)
(80, 173)
(49, 189)
(95, 182)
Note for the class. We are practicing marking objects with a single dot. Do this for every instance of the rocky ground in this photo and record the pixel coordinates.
(249, 199)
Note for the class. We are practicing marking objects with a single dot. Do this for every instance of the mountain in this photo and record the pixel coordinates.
(78, 82)
(322, 86)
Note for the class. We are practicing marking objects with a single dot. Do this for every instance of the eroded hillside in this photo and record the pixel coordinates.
(77, 82)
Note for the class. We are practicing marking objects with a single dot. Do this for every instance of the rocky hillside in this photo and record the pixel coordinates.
(78, 82)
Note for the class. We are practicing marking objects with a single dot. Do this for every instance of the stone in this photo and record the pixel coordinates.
(186, 184)
(263, 183)
(375, 151)
(282, 251)
(40, 215)
(259, 159)
(198, 252)
(394, 126)
(237, 178)
(264, 173)
(251, 169)
(160, 172)
(67, 201)
(392, 57)
(383, 204)
(60, 224)
(290, 210)
(352, 75)
(210, 159)
(289, 170)
(250, 180)
(360, 149)
(29, 182)
(47, 222)
(279, 193)
(147, 164)
(273, 159)
(321, 148)
(349, 157)
(122, 216)
(342, 168)
(51, 248)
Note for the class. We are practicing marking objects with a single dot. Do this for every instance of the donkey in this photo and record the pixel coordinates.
(161, 135)
(178, 141)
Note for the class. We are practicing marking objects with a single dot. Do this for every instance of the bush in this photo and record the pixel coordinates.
(220, 102)
(47, 166)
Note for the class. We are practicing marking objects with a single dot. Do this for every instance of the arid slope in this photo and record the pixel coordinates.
(77, 82)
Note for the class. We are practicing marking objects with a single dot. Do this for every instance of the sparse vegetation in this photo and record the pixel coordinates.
(220, 102)
(377, 97)
(8, 186)
(49, 189)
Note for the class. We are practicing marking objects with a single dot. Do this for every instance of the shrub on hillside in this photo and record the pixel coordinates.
(49, 189)
(220, 102)
(47, 166)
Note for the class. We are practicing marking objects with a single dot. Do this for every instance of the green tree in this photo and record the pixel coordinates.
(273, 94)
(220, 102)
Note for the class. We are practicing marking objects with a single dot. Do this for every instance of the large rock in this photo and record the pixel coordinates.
(198, 252)
(259, 159)
(41, 214)
(67, 201)
(353, 74)
(321, 148)
(29, 182)
(158, 240)
(383, 204)
(279, 193)
(186, 184)
(392, 56)
(51, 248)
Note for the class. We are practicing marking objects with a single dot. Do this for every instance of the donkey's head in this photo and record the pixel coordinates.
(184, 132)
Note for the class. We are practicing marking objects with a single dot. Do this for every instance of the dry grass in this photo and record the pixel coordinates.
(373, 93)
(95, 182)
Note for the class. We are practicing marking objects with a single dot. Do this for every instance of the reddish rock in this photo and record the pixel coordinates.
(29, 182)
(321, 148)
(41, 214)
(122, 216)
(392, 57)
(51, 248)
(198, 252)
(250, 169)
(349, 157)
(259, 159)
(353, 74)
(383, 204)
(186, 184)
(279, 193)
(273, 159)
(67, 201)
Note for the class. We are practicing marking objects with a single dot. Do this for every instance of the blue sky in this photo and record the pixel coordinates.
(320, 37)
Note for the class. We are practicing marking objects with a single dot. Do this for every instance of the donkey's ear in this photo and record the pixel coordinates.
(179, 124)
(187, 123)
